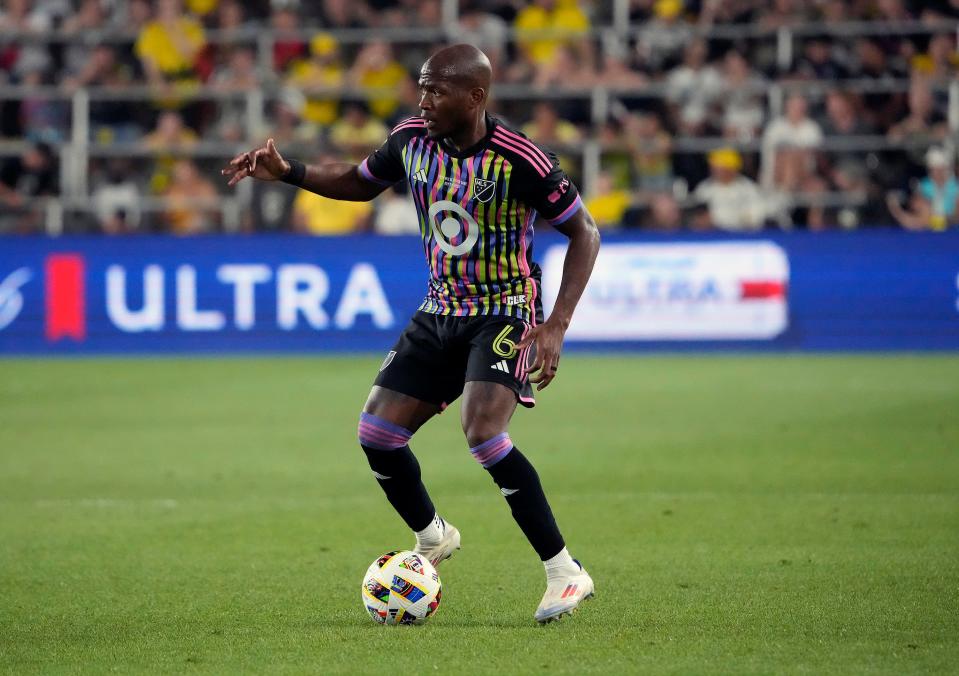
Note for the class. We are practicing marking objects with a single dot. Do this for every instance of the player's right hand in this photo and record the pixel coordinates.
(264, 163)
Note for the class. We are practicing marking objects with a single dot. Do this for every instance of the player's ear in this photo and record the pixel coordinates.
(477, 96)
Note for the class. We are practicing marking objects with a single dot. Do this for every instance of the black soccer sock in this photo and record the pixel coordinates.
(398, 474)
(519, 484)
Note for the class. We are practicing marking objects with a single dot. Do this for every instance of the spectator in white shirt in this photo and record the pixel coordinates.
(789, 147)
(733, 201)
(694, 87)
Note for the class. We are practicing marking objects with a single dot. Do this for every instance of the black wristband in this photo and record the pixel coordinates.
(296, 174)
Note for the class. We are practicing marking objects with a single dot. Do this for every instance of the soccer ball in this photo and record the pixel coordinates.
(401, 588)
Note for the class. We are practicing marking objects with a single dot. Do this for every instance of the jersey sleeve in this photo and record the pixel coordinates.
(552, 194)
(384, 166)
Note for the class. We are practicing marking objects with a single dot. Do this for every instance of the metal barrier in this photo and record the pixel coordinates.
(79, 149)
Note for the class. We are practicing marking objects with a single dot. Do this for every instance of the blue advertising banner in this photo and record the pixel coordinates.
(881, 290)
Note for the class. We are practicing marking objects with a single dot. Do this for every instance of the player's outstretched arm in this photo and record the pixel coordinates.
(337, 180)
(577, 267)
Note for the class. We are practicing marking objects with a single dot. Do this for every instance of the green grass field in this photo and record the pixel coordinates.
(739, 515)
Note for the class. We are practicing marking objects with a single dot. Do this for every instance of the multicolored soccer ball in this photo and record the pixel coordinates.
(401, 588)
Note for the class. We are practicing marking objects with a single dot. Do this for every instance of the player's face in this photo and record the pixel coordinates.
(441, 105)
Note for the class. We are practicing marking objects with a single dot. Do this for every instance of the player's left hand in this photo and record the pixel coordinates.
(548, 338)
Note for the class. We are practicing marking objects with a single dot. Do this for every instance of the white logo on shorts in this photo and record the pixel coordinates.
(388, 360)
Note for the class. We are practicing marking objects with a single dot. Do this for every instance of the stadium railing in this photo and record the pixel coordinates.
(78, 148)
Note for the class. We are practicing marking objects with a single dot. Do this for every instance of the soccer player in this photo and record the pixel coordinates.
(478, 186)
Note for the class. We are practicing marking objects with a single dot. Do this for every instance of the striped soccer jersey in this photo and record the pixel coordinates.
(476, 210)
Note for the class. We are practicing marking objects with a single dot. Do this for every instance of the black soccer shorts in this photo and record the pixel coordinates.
(437, 355)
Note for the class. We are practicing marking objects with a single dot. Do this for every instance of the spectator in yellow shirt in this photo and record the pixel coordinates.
(357, 133)
(168, 46)
(563, 17)
(608, 204)
(192, 201)
(322, 70)
(317, 215)
(375, 69)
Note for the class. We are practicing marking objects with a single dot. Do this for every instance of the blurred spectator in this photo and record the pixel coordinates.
(170, 134)
(923, 126)
(880, 108)
(237, 76)
(317, 215)
(286, 125)
(742, 87)
(22, 17)
(789, 146)
(783, 13)
(387, 82)
(271, 208)
(818, 61)
(651, 148)
(192, 201)
(338, 14)
(84, 31)
(396, 213)
(117, 198)
(132, 15)
(726, 12)
(607, 204)
(834, 11)
(732, 201)
(663, 39)
(484, 30)
(941, 61)
(323, 70)
(232, 23)
(23, 179)
(287, 47)
(548, 128)
(616, 73)
(111, 120)
(201, 8)
(564, 71)
(664, 213)
(238, 73)
(693, 87)
(168, 46)
(42, 118)
(564, 23)
(357, 133)
(935, 204)
(843, 168)
(893, 10)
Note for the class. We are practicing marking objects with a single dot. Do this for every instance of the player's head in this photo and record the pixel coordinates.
(454, 85)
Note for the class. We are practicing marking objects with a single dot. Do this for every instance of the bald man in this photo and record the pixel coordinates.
(478, 186)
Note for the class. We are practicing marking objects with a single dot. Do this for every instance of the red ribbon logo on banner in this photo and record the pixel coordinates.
(66, 297)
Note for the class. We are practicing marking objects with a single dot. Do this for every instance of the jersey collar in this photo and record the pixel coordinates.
(476, 147)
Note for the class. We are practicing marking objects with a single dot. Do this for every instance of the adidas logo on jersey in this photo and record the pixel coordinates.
(500, 366)
(421, 176)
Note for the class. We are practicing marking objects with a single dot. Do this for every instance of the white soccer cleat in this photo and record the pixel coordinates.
(563, 595)
(444, 550)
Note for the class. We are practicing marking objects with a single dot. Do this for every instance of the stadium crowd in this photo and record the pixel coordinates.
(708, 124)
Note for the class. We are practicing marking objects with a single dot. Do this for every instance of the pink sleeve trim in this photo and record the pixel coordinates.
(365, 172)
(567, 213)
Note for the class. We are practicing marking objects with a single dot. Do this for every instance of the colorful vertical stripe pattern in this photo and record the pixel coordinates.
(381, 434)
(492, 451)
(494, 277)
